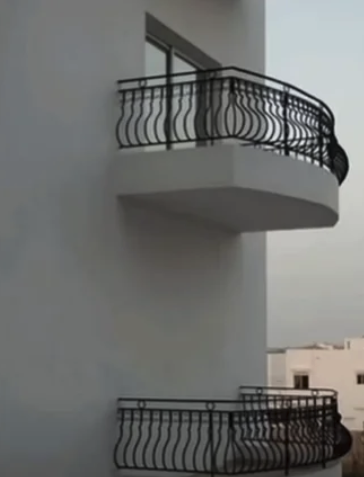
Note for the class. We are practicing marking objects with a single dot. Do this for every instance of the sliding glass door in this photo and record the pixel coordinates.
(173, 99)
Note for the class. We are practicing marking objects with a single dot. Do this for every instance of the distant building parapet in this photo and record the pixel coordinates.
(317, 346)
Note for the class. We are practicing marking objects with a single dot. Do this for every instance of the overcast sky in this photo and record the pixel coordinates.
(316, 278)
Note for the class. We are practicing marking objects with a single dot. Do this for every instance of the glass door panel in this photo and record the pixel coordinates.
(154, 98)
(184, 103)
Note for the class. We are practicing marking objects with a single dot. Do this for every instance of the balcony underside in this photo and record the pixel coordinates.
(236, 188)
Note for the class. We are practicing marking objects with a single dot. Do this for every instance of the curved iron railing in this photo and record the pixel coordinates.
(229, 437)
(229, 103)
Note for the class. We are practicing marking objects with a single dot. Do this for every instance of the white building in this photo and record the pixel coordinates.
(339, 367)
(125, 263)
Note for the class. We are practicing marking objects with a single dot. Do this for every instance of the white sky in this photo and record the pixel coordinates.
(316, 278)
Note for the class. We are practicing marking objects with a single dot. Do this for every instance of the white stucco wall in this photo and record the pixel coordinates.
(335, 369)
(96, 300)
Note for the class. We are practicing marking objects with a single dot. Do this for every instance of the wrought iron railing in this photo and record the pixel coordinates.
(275, 398)
(230, 103)
(229, 437)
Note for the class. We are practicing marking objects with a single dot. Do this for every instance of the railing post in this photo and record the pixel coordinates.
(210, 408)
(169, 112)
(335, 423)
(285, 122)
(323, 433)
(287, 458)
(321, 138)
(212, 121)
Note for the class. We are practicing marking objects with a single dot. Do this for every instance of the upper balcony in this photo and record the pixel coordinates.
(266, 430)
(229, 147)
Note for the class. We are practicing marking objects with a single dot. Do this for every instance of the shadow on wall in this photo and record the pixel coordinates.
(353, 463)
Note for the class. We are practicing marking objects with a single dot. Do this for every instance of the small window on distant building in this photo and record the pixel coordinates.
(360, 378)
(301, 381)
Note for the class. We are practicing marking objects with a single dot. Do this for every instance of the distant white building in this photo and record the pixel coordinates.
(322, 365)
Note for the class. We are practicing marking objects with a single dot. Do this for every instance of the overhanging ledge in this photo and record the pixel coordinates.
(237, 188)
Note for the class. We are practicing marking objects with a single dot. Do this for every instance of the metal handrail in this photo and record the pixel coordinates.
(229, 103)
(229, 437)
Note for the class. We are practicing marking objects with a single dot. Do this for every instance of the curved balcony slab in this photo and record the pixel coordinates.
(237, 188)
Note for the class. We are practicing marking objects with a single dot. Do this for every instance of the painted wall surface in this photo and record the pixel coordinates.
(330, 368)
(98, 300)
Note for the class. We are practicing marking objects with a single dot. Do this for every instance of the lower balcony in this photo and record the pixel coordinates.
(231, 148)
(265, 430)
